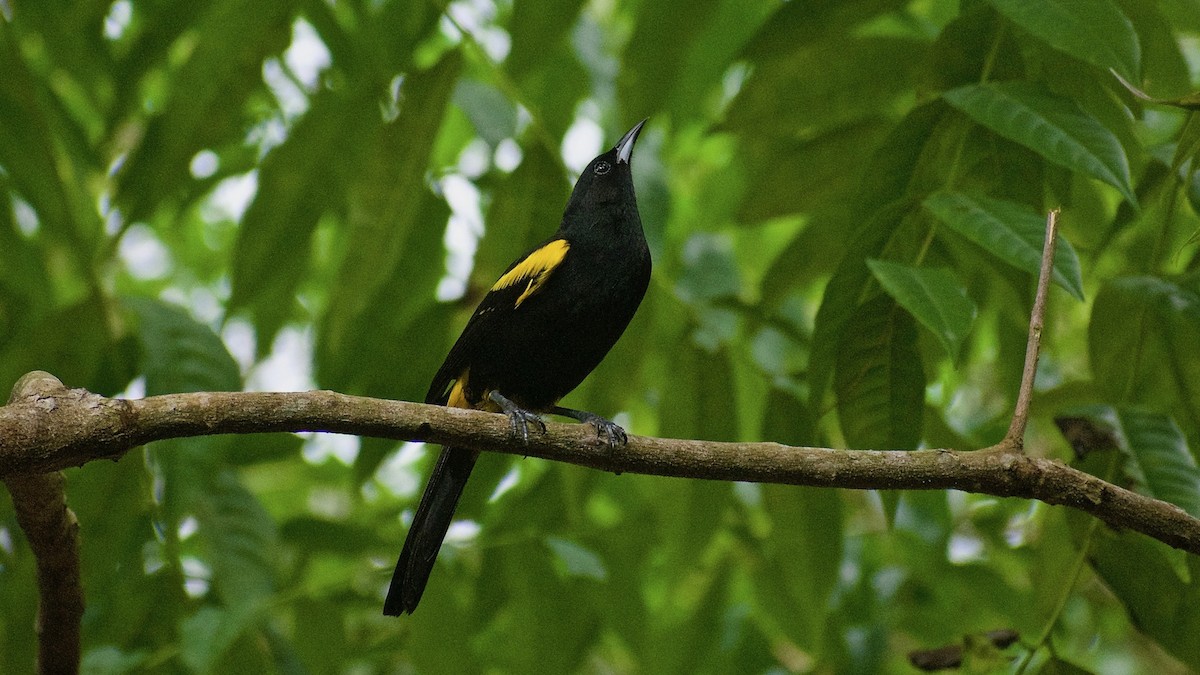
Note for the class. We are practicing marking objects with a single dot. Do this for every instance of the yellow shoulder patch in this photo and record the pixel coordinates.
(535, 269)
(458, 397)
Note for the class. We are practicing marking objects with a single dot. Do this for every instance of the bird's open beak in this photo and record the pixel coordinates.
(625, 145)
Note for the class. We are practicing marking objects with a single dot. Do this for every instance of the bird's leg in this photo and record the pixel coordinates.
(607, 429)
(518, 417)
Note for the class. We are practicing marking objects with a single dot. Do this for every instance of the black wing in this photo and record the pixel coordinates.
(523, 278)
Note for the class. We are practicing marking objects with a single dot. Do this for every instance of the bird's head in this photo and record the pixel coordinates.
(606, 185)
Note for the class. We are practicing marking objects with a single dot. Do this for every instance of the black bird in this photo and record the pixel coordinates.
(543, 326)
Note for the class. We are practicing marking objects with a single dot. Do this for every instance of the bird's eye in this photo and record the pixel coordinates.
(601, 168)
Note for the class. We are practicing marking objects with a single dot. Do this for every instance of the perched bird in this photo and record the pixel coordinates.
(543, 326)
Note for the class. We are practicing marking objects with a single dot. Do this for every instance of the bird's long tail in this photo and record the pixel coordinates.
(429, 526)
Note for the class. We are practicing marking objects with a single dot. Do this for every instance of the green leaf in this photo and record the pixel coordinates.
(787, 420)
(1186, 102)
(879, 380)
(209, 634)
(388, 196)
(933, 296)
(801, 560)
(113, 661)
(895, 168)
(559, 80)
(1142, 345)
(833, 83)
(1189, 145)
(311, 534)
(404, 312)
(1009, 231)
(137, 603)
(538, 27)
(710, 269)
(490, 111)
(1142, 575)
(178, 353)
(527, 591)
(299, 181)
(827, 166)
(575, 560)
(710, 53)
(315, 618)
(1054, 127)
(25, 286)
(698, 643)
(264, 448)
(1057, 666)
(241, 540)
(678, 51)
(1093, 31)
(797, 25)
(526, 207)
(658, 49)
(33, 157)
(1160, 459)
(1164, 64)
(72, 342)
(702, 402)
(845, 289)
(206, 97)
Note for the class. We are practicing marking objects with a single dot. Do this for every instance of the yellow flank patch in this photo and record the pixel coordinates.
(458, 395)
(535, 269)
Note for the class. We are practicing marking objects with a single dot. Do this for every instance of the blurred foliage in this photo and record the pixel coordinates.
(845, 203)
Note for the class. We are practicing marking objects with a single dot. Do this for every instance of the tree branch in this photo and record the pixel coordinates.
(40, 502)
(56, 427)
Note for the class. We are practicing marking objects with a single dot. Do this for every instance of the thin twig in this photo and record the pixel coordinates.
(1015, 438)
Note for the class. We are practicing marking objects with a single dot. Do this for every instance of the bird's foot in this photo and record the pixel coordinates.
(519, 418)
(610, 431)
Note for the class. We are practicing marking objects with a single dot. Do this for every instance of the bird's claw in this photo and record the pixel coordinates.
(520, 419)
(611, 432)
